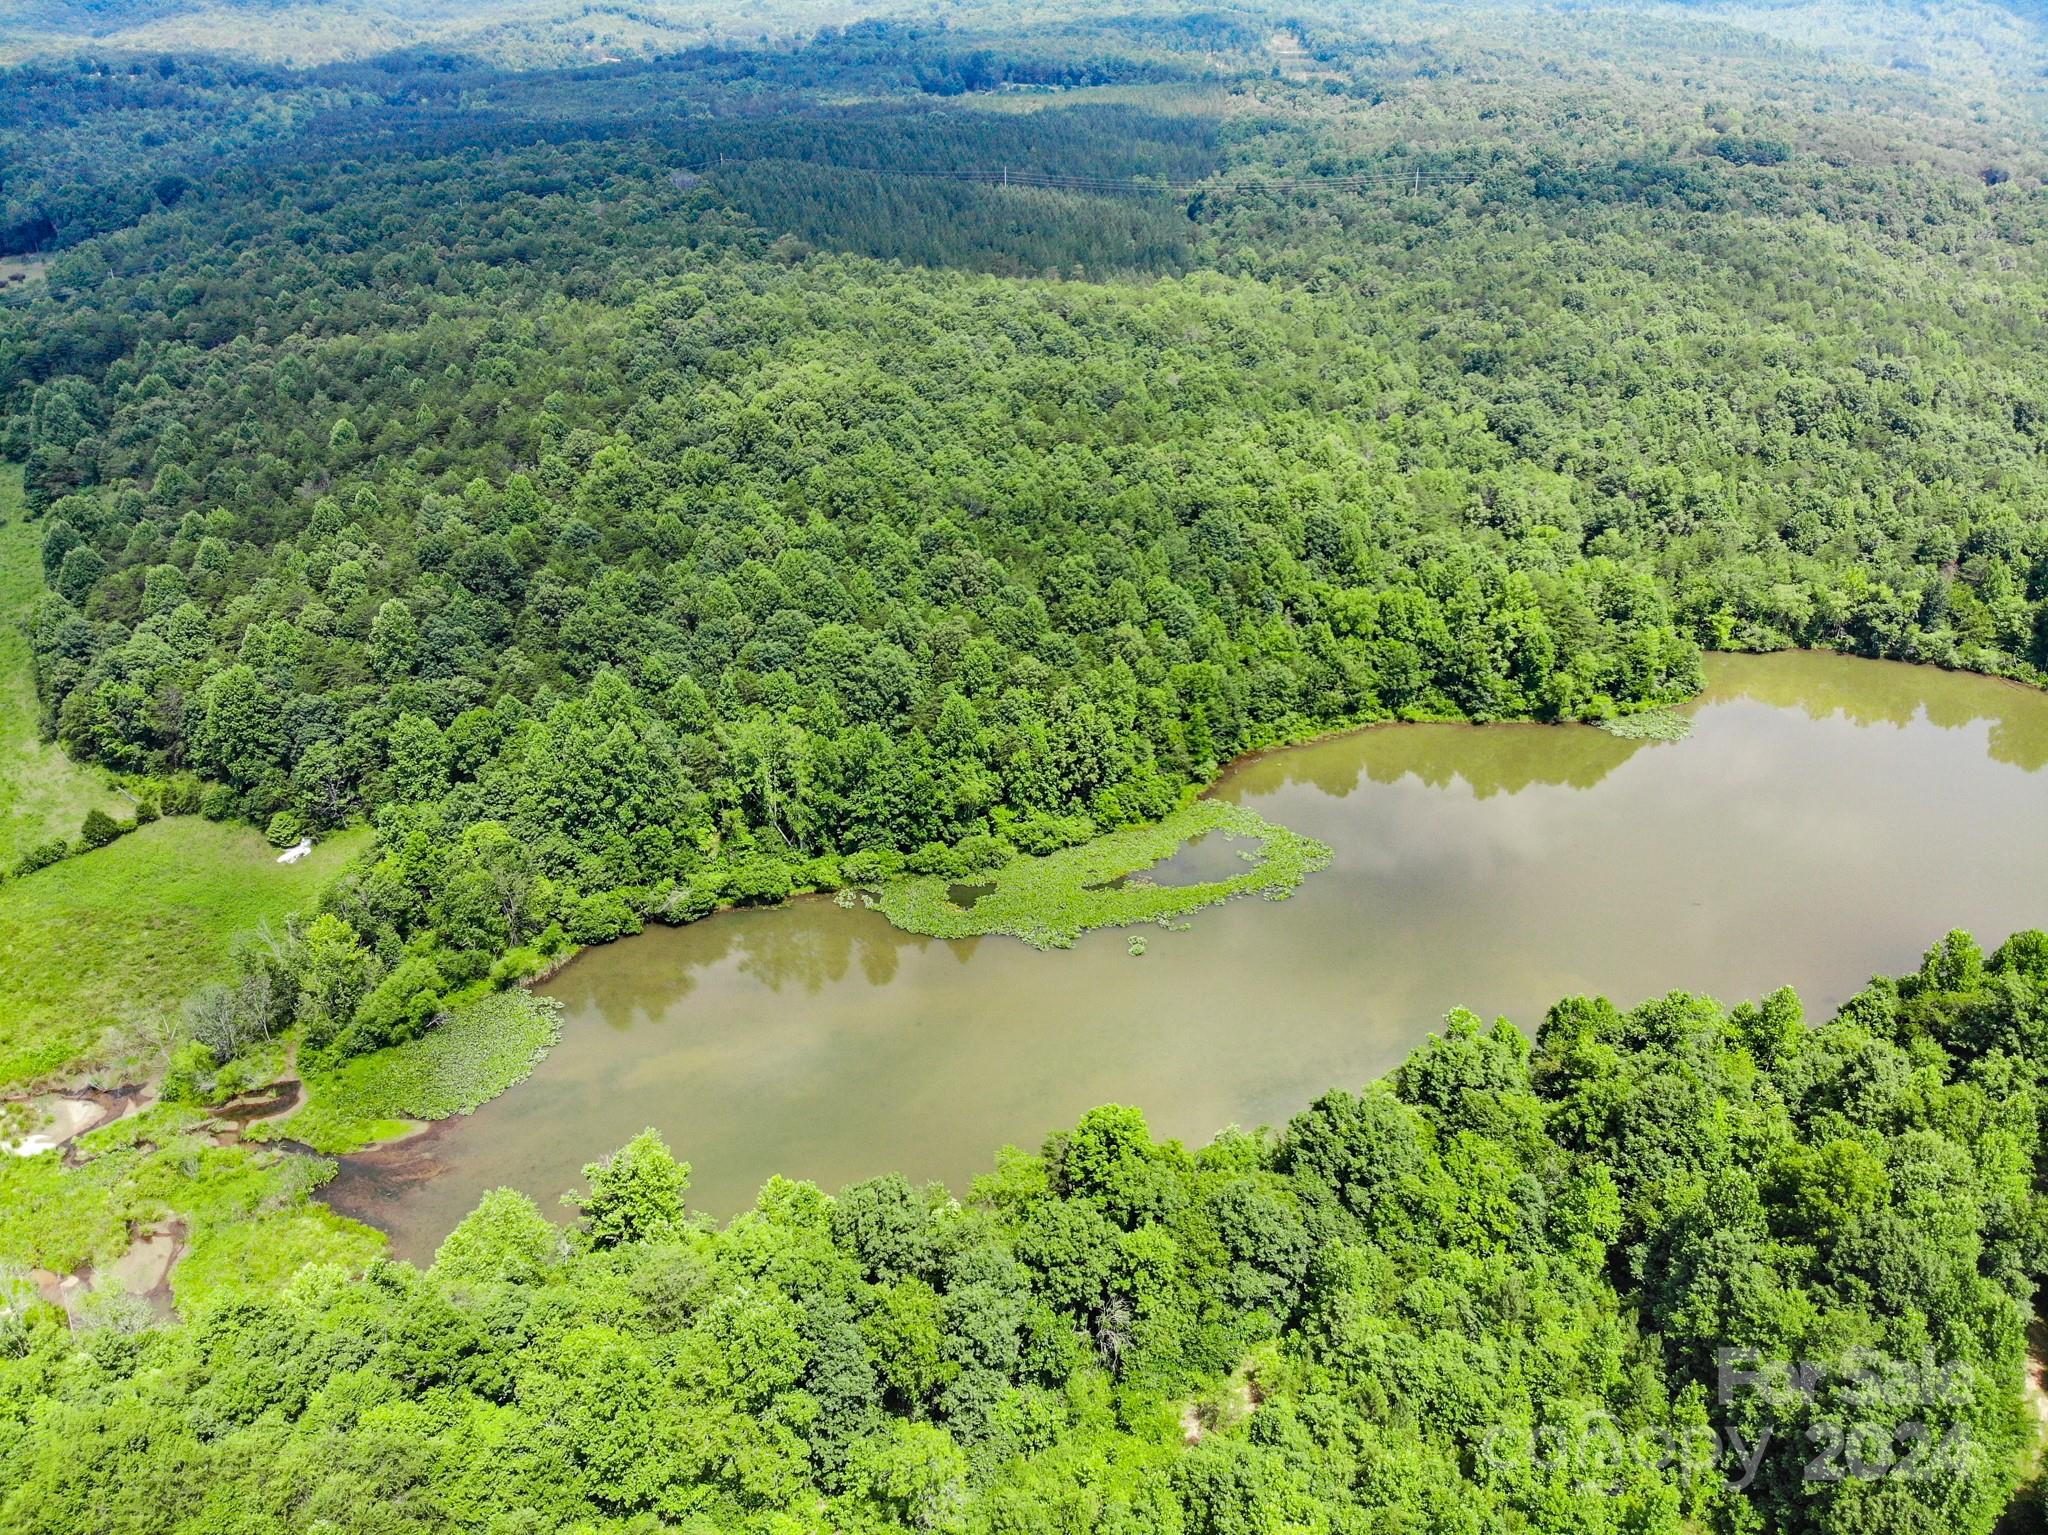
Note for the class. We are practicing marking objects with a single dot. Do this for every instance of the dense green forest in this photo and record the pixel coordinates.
(620, 462)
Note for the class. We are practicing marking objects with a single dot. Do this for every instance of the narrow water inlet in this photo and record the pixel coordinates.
(1206, 858)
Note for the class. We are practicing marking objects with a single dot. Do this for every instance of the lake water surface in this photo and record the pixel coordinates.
(1827, 819)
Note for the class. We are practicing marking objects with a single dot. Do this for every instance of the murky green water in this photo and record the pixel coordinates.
(1825, 821)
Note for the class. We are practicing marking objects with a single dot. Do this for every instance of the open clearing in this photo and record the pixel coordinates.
(118, 937)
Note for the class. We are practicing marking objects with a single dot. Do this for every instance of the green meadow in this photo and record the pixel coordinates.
(102, 948)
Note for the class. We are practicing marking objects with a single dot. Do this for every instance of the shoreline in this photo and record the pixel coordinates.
(421, 1131)
(1210, 791)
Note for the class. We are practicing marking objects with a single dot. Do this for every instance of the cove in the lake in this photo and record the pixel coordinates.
(1825, 821)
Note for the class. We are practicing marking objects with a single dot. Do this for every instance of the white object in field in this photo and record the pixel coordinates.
(297, 851)
(68, 1117)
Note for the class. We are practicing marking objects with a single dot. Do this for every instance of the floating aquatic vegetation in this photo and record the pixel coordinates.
(1049, 902)
(471, 1056)
(1650, 725)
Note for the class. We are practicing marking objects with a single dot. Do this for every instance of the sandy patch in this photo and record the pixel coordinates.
(62, 1118)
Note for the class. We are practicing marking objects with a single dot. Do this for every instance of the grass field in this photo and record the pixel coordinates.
(97, 947)
(43, 793)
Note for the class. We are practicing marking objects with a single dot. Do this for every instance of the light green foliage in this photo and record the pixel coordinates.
(919, 1475)
(466, 1059)
(1050, 901)
(335, 978)
(98, 830)
(184, 1074)
(266, 1238)
(635, 1194)
(113, 940)
(506, 1238)
(1649, 725)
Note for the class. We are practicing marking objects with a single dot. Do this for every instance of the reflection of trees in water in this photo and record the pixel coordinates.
(2021, 743)
(1823, 686)
(1490, 759)
(807, 945)
(636, 979)
(1505, 759)
(814, 944)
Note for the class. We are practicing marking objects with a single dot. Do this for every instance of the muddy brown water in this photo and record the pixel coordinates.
(1826, 820)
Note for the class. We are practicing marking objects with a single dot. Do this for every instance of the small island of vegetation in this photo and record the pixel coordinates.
(1050, 901)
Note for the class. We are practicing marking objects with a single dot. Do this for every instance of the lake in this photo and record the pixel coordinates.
(1826, 820)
